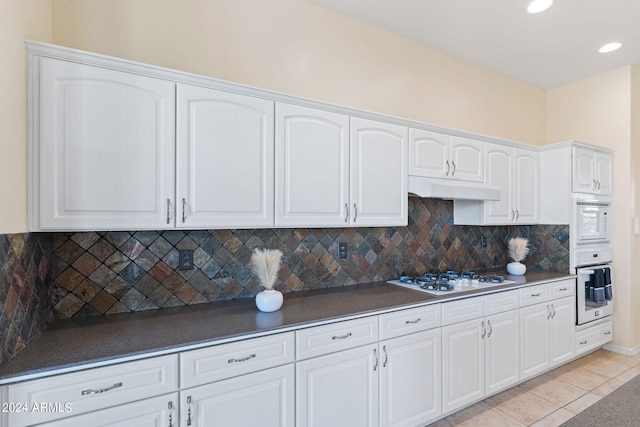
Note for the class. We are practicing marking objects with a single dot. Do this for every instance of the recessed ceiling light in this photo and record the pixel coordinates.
(537, 6)
(610, 47)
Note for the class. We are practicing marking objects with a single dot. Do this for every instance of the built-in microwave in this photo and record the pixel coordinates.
(593, 221)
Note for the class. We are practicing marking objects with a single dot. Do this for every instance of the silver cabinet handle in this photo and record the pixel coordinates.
(184, 210)
(563, 289)
(554, 311)
(484, 330)
(490, 328)
(346, 217)
(100, 390)
(418, 320)
(595, 184)
(170, 414)
(513, 215)
(386, 356)
(448, 169)
(189, 410)
(517, 214)
(243, 359)
(355, 212)
(454, 168)
(583, 342)
(598, 184)
(341, 337)
(168, 211)
(536, 294)
(608, 333)
(375, 354)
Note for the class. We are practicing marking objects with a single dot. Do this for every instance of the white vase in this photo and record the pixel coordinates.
(516, 268)
(269, 300)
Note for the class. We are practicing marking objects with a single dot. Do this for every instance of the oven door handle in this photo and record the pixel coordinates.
(585, 272)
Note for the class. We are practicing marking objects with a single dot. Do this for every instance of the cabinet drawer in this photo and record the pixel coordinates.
(594, 337)
(95, 389)
(459, 311)
(229, 360)
(563, 288)
(501, 302)
(408, 321)
(157, 411)
(533, 295)
(321, 340)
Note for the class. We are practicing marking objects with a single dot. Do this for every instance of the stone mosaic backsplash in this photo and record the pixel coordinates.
(24, 290)
(114, 272)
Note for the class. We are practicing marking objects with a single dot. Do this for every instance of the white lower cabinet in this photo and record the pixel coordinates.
(479, 357)
(263, 398)
(161, 411)
(410, 379)
(547, 331)
(338, 389)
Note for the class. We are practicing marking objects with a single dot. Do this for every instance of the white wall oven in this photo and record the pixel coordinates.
(596, 287)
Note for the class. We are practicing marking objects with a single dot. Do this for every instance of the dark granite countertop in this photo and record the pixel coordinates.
(87, 342)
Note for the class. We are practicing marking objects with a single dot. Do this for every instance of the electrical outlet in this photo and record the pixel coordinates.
(186, 260)
(342, 250)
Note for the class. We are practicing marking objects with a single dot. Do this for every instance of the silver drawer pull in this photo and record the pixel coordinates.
(536, 295)
(608, 333)
(583, 342)
(563, 289)
(418, 320)
(341, 337)
(244, 359)
(100, 390)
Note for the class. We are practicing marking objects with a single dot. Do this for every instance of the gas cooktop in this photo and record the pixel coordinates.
(450, 282)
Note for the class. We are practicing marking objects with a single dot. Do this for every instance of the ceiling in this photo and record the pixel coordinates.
(546, 50)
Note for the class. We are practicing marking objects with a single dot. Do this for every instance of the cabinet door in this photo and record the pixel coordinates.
(562, 330)
(312, 167)
(224, 159)
(410, 379)
(378, 174)
(534, 340)
(583, 170)
(339, 389)
(429, 154)
(105, 150)
(156, 412)
(499, 173)
(604, 173)
(264, 398)
(467, 160)
(502, 352)
(462, 364)
(525, 194)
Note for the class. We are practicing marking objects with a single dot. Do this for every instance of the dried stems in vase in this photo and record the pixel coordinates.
(518, 248)
(265, 263)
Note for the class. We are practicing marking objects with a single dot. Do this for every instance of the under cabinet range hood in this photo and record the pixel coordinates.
(445, 189)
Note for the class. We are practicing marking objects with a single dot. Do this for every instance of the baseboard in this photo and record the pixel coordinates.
(622, 350)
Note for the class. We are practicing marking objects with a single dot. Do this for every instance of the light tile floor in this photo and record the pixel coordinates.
(552, 398)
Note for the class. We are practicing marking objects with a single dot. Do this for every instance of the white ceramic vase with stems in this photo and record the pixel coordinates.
(518, 250)
(265, 263)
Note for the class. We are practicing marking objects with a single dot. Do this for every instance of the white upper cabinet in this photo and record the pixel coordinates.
(103, 149)
(336, 171)
(515, 172)
(225, 149)
(442, 156)
(592, 171)
(378, 174)
(312, 167)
